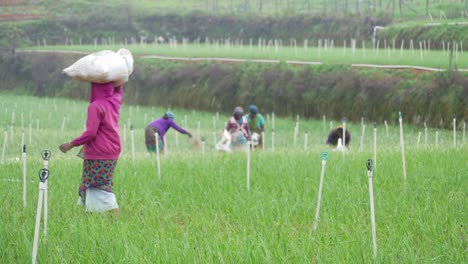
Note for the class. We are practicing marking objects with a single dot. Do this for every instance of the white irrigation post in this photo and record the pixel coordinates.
(324, 157)
(198, 128)
(375, 145)
(305, 141)
(125, 135)
(273, 120)
(214, 138)
(248, 166)
(437, 138)
(464, 127)
(63, 122)
(24, 175)
(30, 134)
(273, 140)
(425, 135)
(166, 148)
(22, 138)
(263, 140)
(454, 131)
(132, 138)
(11, 127)
(46, 156)
(402, 143)
(324, 118)
(5, 138)
(419, 137)
(386, 127)
(361, 145)
(371, 197)
(43, 176)
(156, 136)
(331, 125)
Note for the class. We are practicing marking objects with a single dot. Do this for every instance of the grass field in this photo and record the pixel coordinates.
(336, 55)
(200, 211)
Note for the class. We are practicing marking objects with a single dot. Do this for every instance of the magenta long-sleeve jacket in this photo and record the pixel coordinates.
(101, 139)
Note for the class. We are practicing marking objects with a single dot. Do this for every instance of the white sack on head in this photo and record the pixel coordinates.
(101, 67)
(127, 55)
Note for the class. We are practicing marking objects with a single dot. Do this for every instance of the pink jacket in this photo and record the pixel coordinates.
(101, 139)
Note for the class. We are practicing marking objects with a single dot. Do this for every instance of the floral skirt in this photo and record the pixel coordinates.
(97, 174)
(150, 140)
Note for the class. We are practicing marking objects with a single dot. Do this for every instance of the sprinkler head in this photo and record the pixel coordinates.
(43, 175)
(369, 164)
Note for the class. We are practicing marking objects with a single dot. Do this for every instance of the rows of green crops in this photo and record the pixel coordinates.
(391, 55)
(200, 210)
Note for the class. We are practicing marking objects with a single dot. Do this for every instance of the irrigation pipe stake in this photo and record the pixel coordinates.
(375, 145)
(371, 196)
(263, 140)
(22, 138)
(361, 145)
(132, 138)
(324, 156)
(30, 134)
(454, 131)
(24, 175)
(324, 124)
(5, 138)
(273, 120)
(248, 165)
(305, 141)
(464, 127)
(43, 176)
(437, 138)
(425, 134)
(45, 157)
(156, 137)
(419, 137)
(402, 144)
(273, 140)
(386, 128)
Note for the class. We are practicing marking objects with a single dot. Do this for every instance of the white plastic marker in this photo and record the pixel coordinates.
(263, 140)
(43, 176)
(45, 157)
(273, 120)
(419, 137)
(324, 124)
(454, 131)
(22, 138)
(203, 148)
(375, 145)
(198, 128)
(331, 125)
(402, 144)
(12, 125)
(425, 134)
(344, 133)
(361, 145)
(30, 134)
(248, 165)
(24, 175)
(324, 156)
(464, 127)
(273, 140)
(437, 138)
(305, 140)
(386, 128)
(371, 196)
(166, 146)
(5, 138)
(156, 136)
(132, 138)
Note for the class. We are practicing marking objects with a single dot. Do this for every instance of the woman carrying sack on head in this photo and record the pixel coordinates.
(101, 147)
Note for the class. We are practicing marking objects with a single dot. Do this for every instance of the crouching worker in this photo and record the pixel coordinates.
(101, 149)
(256, 125)
(238, 127)
(161, 126)
(335, 138)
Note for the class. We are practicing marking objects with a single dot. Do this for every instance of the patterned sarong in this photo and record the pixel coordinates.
(97, 174)
(151, 140)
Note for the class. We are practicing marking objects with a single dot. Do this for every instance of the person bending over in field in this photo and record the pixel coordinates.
(161, 126)
(337, 133)
(238, 127)
(101, 149)
(256, 124)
